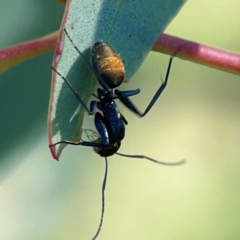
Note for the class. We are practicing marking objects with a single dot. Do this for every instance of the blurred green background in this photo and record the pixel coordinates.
(197, 118)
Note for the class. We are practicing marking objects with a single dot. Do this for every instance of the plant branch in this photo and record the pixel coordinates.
(26, 50)
(199, 53)
(192, 51)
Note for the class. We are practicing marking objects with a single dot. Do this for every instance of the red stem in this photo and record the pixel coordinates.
(192, 51)
(199, 53)
(23, 51)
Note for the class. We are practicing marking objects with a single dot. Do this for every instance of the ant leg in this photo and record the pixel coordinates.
(161, 88)
(127, 93)
(124, 119)
(103, 199)
(101, 81)
(72, 89)
(152, 160)
(81, 142)
(130, 105)
(93, 104)
(123, 97)
(79, 52)
(101, 128)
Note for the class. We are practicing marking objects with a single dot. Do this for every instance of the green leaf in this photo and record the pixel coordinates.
(130, 27)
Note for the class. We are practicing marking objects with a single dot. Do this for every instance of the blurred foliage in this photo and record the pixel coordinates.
(196, 118)
(24, 90)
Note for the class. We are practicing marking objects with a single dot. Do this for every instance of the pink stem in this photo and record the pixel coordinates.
(192, 51)
(26, 50)
(199, 53)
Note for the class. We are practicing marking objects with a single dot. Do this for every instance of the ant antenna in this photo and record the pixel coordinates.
(103, 200)
(79, 52)
(86, 60)
(153, 160)
(75, 93)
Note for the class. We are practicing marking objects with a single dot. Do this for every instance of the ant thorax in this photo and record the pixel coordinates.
(106, 96)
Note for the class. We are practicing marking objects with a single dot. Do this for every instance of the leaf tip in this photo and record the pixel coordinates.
(54, 153)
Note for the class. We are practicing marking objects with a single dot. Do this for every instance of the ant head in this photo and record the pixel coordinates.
(109, 150)
(108, 64)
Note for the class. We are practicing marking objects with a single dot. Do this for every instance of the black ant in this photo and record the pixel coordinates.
(109, 70)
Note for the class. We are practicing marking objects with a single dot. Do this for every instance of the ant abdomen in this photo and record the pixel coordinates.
(108, 64)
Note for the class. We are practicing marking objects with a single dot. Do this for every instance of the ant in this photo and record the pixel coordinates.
(110, 124)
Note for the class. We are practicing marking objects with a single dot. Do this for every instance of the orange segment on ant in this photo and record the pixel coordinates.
(113, 67)
(108, 64)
